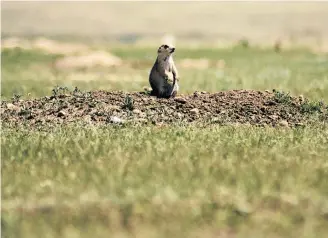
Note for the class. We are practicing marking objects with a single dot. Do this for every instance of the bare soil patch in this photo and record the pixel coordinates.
(88, 60)
(46, 45)
(103, 107)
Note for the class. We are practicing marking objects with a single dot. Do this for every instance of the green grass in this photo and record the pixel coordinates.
(296, 71)
(175, 180)
(127, 181)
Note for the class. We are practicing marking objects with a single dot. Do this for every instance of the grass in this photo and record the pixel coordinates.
(172, 181)
(296, 71)
(175, 180)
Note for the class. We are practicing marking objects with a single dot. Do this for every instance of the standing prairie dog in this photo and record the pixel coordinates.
(164, 75)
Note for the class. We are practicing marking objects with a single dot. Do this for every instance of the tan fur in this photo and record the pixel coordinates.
(163, 76)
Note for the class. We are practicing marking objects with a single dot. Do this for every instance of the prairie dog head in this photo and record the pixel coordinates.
(165, 51)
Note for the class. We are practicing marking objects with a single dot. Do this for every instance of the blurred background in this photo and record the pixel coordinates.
(112, 45)
(194, 22)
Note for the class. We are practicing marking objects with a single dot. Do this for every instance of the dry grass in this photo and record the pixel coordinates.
(175, 181)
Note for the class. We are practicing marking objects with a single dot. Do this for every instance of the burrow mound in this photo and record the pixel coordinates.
(226, 107)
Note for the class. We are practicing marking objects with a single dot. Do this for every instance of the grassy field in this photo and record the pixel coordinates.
(218, 181)
(297, 71)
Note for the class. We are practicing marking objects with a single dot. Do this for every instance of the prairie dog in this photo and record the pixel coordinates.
(164, 75)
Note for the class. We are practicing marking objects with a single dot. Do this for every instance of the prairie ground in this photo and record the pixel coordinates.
(251, 161)
(162, 179)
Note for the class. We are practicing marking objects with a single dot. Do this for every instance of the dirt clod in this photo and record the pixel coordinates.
(180, 99)
(136, 111)
(11, 106)
(283, 123)
(194, 111)
(61, 114)
(116, 120)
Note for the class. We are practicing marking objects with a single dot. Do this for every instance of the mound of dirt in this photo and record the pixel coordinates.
(14, 42)
(102, 107)
(55, 47)
(88, 60)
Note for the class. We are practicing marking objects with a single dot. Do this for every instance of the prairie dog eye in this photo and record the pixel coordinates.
(166, 46)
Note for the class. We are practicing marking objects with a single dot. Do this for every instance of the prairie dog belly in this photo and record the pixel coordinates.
(167, 66)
